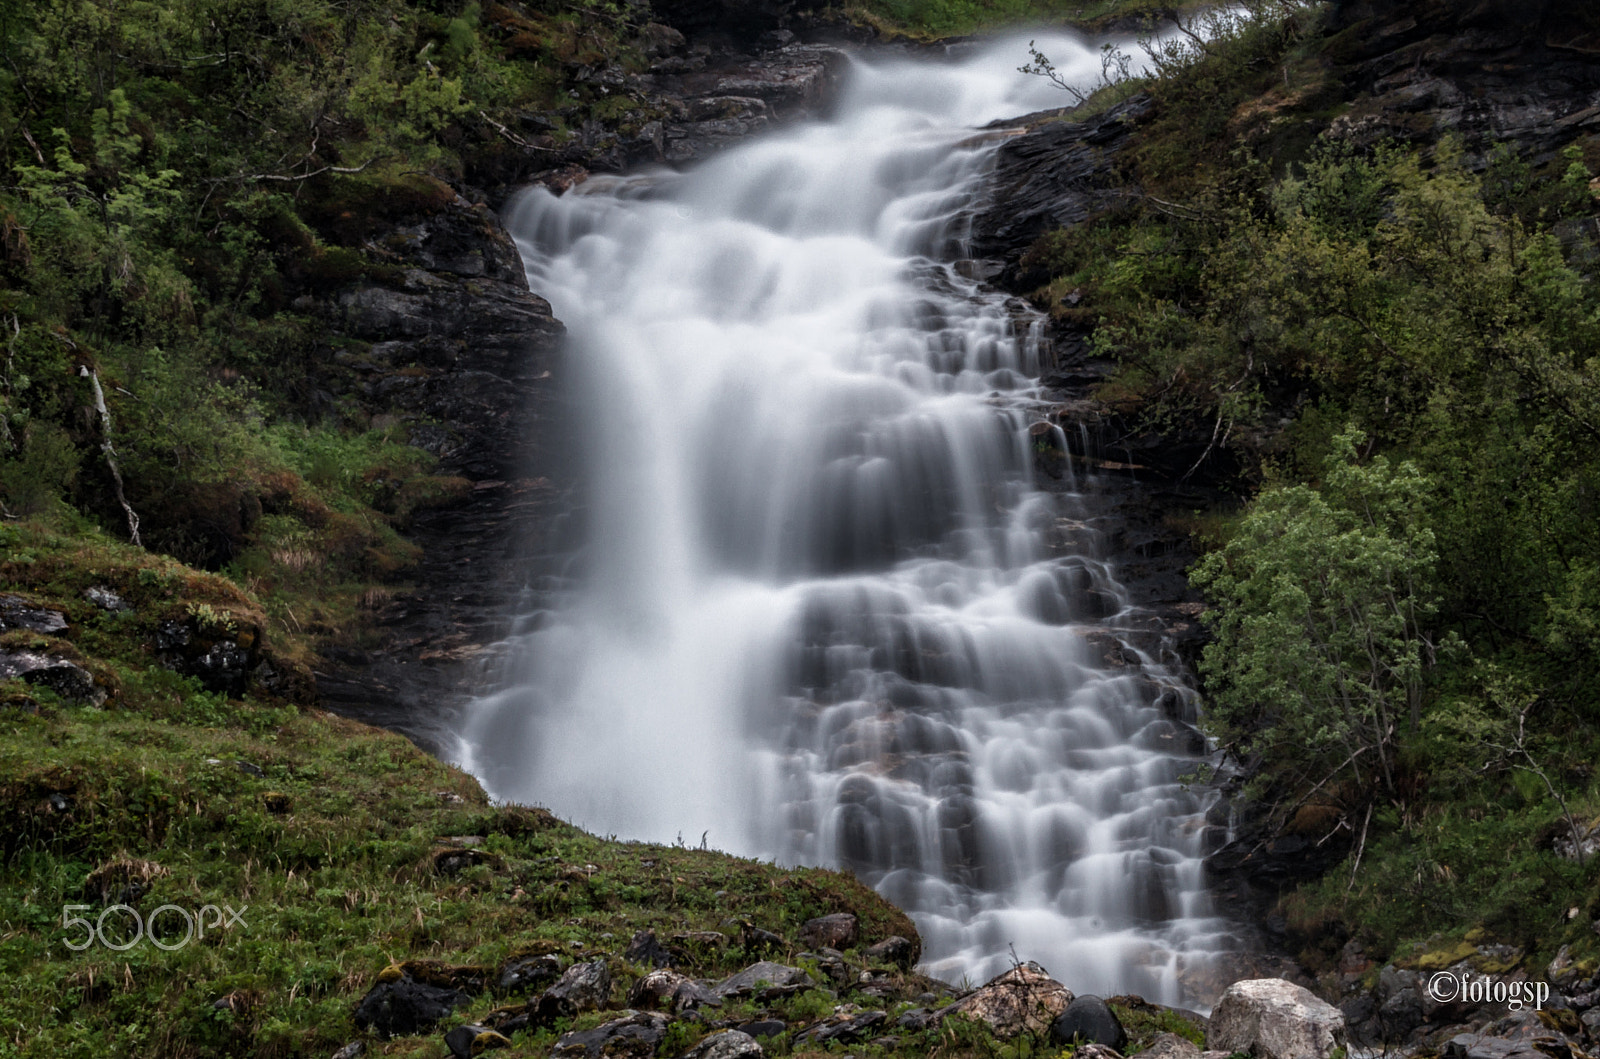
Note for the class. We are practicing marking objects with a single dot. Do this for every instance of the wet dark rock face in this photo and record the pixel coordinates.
(1493, 71)
(1053, 174)
(454, 346)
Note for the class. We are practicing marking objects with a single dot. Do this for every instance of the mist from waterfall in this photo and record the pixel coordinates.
(823, 613)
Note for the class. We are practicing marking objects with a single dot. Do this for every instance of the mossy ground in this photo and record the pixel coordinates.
(324, 833)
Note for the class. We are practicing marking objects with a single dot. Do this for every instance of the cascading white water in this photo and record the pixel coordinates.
(826, 615)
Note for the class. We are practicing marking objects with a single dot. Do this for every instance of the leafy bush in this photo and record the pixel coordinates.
(1323, 600)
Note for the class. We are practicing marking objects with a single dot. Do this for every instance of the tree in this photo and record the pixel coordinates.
(1321, 602)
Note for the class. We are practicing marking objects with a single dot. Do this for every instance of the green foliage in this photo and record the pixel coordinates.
(1286, 297)
(180, 173)
(35, 478)
(1144, 1022)
(945, 18)
(1322, 602)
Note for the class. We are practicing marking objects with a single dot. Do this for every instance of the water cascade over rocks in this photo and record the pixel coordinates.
(824, 614)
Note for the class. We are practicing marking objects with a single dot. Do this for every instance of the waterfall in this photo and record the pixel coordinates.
(823, 613)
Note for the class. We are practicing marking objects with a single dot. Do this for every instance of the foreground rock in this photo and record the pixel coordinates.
(403, 1005)
(1171, 1046)
(843, 1029)
(1274, 1019)
(635, 1034)
(666, 988)
(729, 1044)
(67, 679)
(1525, 1035)
(465, 1042)
(1024, 999)
(765, 979)
(584, 987)
(1089, 1020)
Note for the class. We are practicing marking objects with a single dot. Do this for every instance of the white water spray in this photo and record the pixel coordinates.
(827, 616)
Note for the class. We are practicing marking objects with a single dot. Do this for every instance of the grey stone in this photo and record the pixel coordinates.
(70, 681)
(583, 987)
(1400, 1014)
(666, 988)
(1478, 1046)
(842, 1028)
(778, 977)
(729, 1044)
(18, 613)
(1274, 1019)
(106, 599)
(1023, 999)
(1171, 1046)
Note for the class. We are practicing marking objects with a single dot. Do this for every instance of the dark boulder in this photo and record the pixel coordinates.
(18, 613)
(896, 950)
(1056, 174)
(729, 1044)
(404, 1006)
(466, 1042)
(526, 974)
(1089, 1020)
(645, 949)
(631, 1037)
(584, 987)
(67, 679)
(666, 988)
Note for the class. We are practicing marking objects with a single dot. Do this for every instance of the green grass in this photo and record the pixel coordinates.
(331, 852)
(932, 19)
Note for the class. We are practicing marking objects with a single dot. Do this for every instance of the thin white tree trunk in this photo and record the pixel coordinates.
(111, 453)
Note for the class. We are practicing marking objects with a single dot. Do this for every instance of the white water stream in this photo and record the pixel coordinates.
(826, 616)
